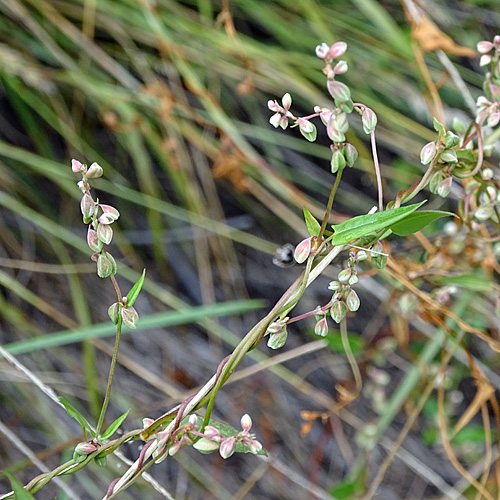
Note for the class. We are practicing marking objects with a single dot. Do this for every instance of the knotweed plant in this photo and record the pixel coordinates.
(454, 160)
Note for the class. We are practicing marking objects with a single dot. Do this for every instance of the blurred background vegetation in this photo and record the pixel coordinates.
(170, 98)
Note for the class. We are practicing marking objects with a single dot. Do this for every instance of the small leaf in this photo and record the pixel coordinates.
(312, 224)
(75, 414)
(134, 291)
(474, 282)
(438, 127)
(362, 225)
(100, 460)
(18, 489)
(416, 221)
(114, 426)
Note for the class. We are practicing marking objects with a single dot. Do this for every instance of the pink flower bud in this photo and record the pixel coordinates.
(275, 120)
(340, 68)
(211, 432)
(192, 421)
(86, 448)
(303, 250)
(94, 171)
(350, 154)
(338, 161)
(106, 265)
(104, 233)
(255, 446)
(227, 447)
(76, 166)
(338, 49)
(88, 207)
(369, 120)
(130, 317)
(338, 90)
(108, 209)
(444, 187)
(485, 60)
(307, 129)
(352, 301)
(286, 101)
(338, 311)
(273, 106)
(495, 91)
(205, 445)
(496, 40)
(246, 422)
(484, 47)
(428, 152)
(93, 241)
(321, 327)
(146, 422)
(105, 219)
(493, 119)
(322, 50)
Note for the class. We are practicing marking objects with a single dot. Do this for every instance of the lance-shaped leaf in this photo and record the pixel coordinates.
(313, 226)
(114, 426)
(18, 489)
(416, 221)
(362, 225)
(72, 412)
(134, 291)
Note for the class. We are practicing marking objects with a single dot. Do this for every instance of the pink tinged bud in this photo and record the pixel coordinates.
(338, 49)
(86, 448)
(273, 106)
(322, 50)
(493, 119)
(340, 68)
(484, 212)
(284, 122)
(275, 120)
(352, 301)
(246, 422)
(485, 60)
(286, 101)
(88, 207)
(482, 102)
(104, 233)
(76, 166)
(338, 311)
(350, 154)
(325, 115)
(81, 186)
(227, 447)
(338, 161)
(93, 241)
(303, 250)
(495, 91)
(94, 171)
(211, 432)
(428, 152)
(321, 328)
(255, 446)
(192, 421)
(334, 285)
(106, 265)
(130, 317)
(369, 120)
(146, 422)
(496, 40)
(444, 187)
(333, 133)
(114, 312)
(307, 129)
(205, 445)
(379, 260)
(338, 90)
(276, 326)
(277, 340)
(344, 275)
(484, 47)
(112, 211)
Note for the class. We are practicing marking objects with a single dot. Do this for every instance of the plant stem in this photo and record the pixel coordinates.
(110, 377)
(329, 206)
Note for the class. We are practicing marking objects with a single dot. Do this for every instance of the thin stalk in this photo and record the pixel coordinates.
(329, 205)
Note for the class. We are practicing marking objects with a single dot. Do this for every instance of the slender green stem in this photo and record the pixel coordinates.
(110, 378)
(350, 356)
(329, 205)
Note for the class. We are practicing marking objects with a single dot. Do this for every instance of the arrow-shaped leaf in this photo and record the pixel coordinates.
(134, 291)
(312, 224)
(416, 221)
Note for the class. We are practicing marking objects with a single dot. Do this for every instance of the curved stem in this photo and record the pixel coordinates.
(329, 206)
(377, 172)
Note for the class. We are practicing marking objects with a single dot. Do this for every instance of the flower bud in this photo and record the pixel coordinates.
(106, 265)
(334, 285)
(353, 279)
(338, 161)
(286, 101)
(484, 47)
(114, 312)
(303, 250)
(450, 139)
(361, 256)
(94, 171)
(93, 241)
(76, 166)
(192, 421)
(86, 448)
(344, 275)
(369, 120)
(321, 327)
(278, 339)
(482, 102)
(379, 260)
(211, 432)
(340, 68)
(444, 187)
(485, 60)
(496, 40)
(322, 50)
(246, 422)
(338, 311)
(350, 154)
(484, 212)
(146, 422)
(307, 129)
(130, 317)
(338, 49)
(487, 174)
(205, 445)
(493, 119)
(427, 153)
(435, 180)
(275, 120)
(104, 233)
(273, 106)
(352, 301)
(88, 208)
(333, 131)
(227, 447)
(338, 90)
(255, 446)
(449, 156)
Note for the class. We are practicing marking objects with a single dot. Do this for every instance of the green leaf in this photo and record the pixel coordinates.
(347, 489)
(101, 461)
(465, 154)
(310, 136)
(438, 127)
(134, 291)
(474, 282)
(416, 221)
(18, 489)
(114, 426)
(312, 224)
(362, 225)
(335, 344)
(72, 412)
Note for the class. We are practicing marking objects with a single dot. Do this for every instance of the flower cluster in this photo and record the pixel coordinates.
(99, 218)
